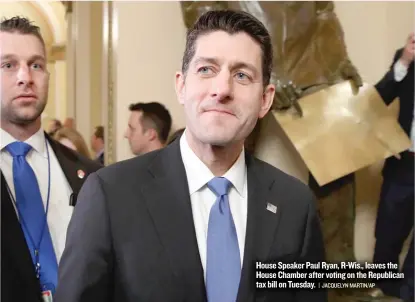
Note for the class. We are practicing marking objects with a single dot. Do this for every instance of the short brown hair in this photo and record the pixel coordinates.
(231, 22)
(99, 132)
(21, 26)
(155, 116)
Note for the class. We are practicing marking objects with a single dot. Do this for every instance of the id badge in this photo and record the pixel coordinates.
(47, 296)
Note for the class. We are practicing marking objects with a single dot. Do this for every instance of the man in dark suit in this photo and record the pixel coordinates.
(40, 178)
(395, 218)
(189, 221)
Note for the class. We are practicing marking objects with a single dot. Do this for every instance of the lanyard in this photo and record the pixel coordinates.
(31, 239)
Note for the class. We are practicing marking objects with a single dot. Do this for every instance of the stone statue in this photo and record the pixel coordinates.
(308, 44)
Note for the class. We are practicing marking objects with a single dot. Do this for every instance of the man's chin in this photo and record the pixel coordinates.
(219, 140)
(26, 119)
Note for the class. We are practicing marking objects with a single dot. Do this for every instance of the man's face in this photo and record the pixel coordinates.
(94, 143)
(137, 137)
(223, 93)
(24, 78)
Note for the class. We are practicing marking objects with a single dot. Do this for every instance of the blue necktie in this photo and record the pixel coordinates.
(32, 216)
(223, 264)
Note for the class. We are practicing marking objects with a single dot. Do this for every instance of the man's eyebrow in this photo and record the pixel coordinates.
(234, 65)
(31, 59)
(210, 60)
(36, 58)
(7, 57)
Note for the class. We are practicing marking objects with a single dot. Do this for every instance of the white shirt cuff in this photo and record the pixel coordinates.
(400, 71)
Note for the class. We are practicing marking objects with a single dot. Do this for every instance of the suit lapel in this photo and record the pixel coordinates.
(261, 225)
(69, 167)
(13, 242)
(168, 200)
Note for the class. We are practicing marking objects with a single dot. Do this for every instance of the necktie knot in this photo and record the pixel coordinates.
(18, 149)
(219, 185)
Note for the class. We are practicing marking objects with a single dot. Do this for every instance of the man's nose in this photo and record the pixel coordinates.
(222, 86)
(24, 76)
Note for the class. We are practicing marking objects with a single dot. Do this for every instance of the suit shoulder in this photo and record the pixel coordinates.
(75, 157)
(292, 186)
(126, 168)
(92, 165)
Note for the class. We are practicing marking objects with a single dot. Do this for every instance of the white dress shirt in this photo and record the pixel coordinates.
(202, 198)
(59, 212)
(400, 72)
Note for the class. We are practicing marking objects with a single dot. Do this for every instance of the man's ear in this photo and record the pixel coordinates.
(267, 99)
(151, 134)
(180, 86)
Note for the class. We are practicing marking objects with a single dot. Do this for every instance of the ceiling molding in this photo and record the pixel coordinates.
(56, 25)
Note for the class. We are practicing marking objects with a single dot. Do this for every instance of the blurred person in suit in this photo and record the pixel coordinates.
(189, 221)
(40, 178)
(395, 218)
(73, 140)
(98, 145)
(148, 127)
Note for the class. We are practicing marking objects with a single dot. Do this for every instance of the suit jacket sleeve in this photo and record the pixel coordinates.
(387, 87)
(85, 267)
(312, 251)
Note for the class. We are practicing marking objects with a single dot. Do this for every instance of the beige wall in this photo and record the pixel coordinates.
(83, 72)
(70, 56)
(87, 69)
(60, 90)
(150, 42)
(96, 68)
(373, 31)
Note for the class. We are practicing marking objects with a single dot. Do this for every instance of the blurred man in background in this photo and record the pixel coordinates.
(148, 127)
(98, 144)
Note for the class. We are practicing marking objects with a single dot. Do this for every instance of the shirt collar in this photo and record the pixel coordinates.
(36, 141)
(98, 154)
(198, 174)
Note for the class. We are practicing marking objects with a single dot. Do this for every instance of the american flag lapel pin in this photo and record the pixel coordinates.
(271, 208)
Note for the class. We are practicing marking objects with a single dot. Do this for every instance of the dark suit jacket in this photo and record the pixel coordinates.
(132, 236)
(389, 89)
(100, 158)
(18, 280)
